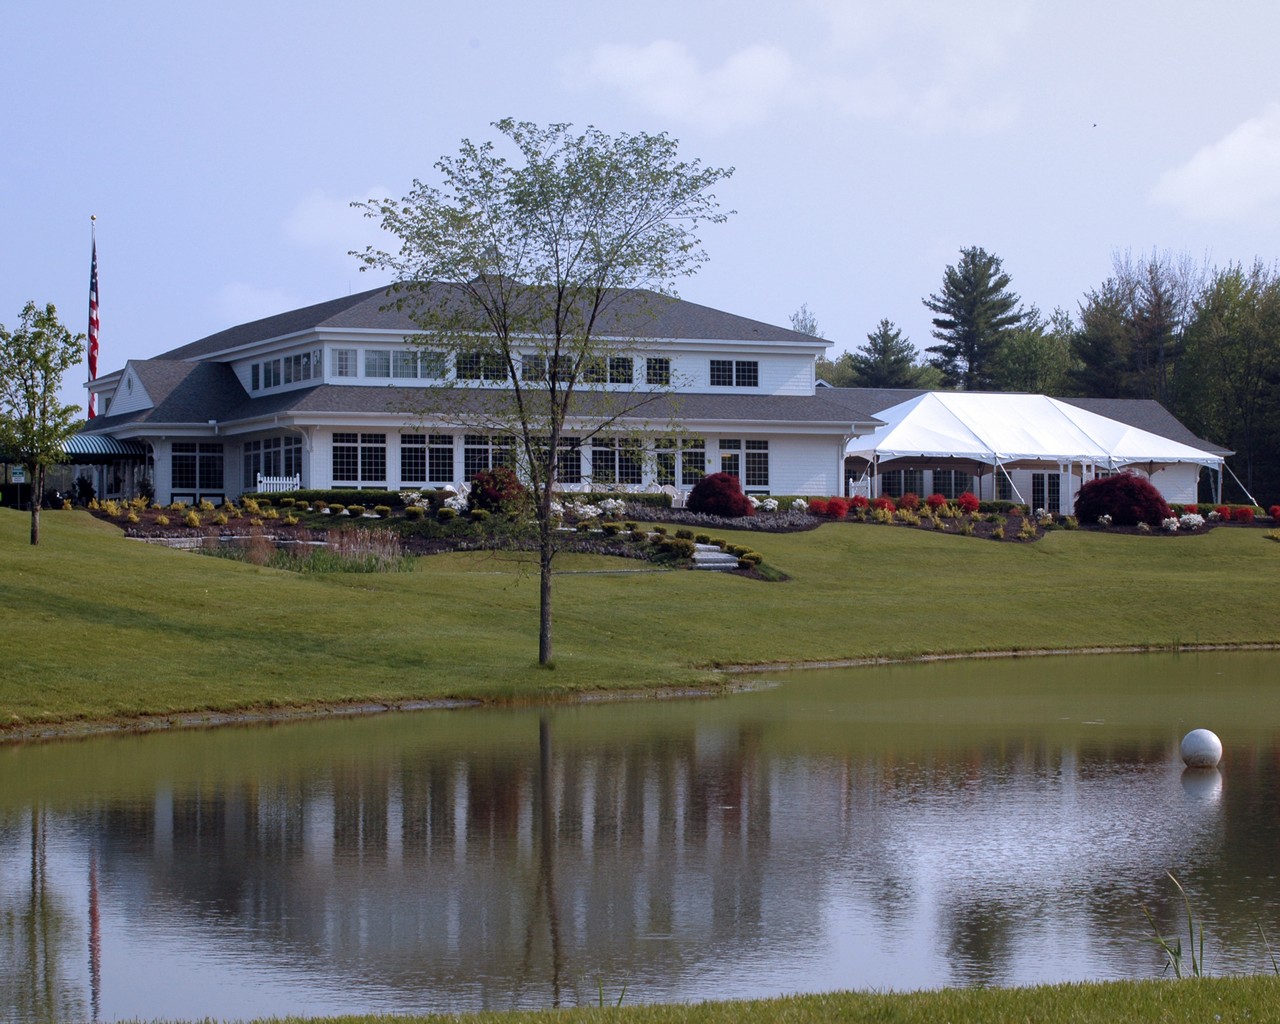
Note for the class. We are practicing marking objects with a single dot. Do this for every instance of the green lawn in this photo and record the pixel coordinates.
(98, 627)
(1208, 1000)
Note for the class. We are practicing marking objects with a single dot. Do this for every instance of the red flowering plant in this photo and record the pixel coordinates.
(837, 508)
(884, 503)
(936, 501)
(496, 490)
(818, 506)
(719, 494)
(1125, 499)
(909, 501)
(1224, 511)
(1242, 514)
(1274, 511)
(968, 502)
(861, 501)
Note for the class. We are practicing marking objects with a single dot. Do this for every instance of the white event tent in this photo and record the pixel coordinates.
(1031, 448)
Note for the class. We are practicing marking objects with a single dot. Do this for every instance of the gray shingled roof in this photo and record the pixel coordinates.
(637, 314)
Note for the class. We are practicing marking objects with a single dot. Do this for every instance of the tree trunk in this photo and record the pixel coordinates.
(37, 494)
(546, 551)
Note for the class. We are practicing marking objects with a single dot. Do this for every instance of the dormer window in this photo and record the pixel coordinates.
(731, 373)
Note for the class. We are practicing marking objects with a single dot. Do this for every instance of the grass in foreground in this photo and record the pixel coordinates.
(1211, 1000)
(97, 627)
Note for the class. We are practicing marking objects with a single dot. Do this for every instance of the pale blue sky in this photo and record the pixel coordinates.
(220, 144)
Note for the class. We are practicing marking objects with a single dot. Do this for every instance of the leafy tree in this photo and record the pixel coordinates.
(803, 321)
(1228, 377)
(838, 372)
(1036, 356)
(975, 311)
(1131, 327)
(526, 272)
(33, 423)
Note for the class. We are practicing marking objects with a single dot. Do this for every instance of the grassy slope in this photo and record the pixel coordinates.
(99, 627)
(1214, 1000)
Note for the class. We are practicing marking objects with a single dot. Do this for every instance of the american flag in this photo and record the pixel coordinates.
(93, 328)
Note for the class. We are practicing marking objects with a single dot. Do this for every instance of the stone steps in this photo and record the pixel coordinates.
(710, 558)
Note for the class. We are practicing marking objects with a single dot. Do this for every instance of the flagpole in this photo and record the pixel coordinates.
(92, 348)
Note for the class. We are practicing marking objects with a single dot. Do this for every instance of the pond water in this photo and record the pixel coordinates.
(996, 822)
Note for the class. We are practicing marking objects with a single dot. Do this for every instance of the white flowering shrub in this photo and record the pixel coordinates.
(1214, 516)
(456, 502)
(769, 505)
(799, 505)
(613, 506)
(755, 502)
(414, 499)
(1104, 520)
(1169, 525)
(1191, 521)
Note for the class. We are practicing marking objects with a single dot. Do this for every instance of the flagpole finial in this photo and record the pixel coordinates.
(93, 216)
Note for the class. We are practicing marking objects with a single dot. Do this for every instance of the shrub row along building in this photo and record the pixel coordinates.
(348, 393)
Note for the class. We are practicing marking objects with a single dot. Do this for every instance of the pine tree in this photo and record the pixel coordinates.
(975, 312)
(886, 361)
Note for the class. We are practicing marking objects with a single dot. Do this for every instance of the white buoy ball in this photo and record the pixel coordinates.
(1201, 749)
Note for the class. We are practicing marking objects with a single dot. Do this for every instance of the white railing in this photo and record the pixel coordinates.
(272, 484)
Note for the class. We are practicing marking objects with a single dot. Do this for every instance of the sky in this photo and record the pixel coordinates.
(220, 145)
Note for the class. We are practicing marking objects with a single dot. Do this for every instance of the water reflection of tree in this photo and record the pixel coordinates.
(38, 941)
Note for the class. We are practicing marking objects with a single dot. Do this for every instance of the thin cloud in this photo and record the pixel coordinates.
(868, 66)
(240, 303)
(1235, 180)
(665, 78)
(327, 222)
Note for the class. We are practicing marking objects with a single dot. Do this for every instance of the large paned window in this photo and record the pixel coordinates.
(569, 461)
(664, 461)
(757, 458)
(693, 461)
(426, 458)
(722, 373)
(377, 362)
(1046, 491)
(271, 374)
(196, 466)
(255, 378)
(730, 455)
(480, 451)
(481, 366)
(301, 366)
(359, 458)
(951, 483)
(604, 460)
(413, 458)
(344, 362)
(731, 373)
(272, 456)
(657, 371)
(894, 483)
(1004, 486)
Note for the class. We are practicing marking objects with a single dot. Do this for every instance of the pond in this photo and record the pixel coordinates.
(996, 822)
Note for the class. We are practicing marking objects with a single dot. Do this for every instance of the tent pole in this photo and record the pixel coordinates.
(1251, 498)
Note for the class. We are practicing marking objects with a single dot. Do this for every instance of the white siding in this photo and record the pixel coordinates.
(1178, 484)
(806, 465)
(130, 395)
(787, 374)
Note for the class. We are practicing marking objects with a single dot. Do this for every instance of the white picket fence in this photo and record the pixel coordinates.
(272, 484)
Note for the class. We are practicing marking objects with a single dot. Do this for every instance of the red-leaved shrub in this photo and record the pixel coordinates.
(1274, 511)
(861, 501)
(1224, 511)
(719, 494)
(837, 508)
(818, 506)
(968, 502)
(495, 490)
(935, 501)
(909, 501)
(884, 503)
(1243, 514)
(1129, 499)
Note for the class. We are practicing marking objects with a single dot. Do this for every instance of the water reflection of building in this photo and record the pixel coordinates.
(524, 874)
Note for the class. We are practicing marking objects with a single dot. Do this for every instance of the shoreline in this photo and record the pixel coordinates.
(143, 724)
